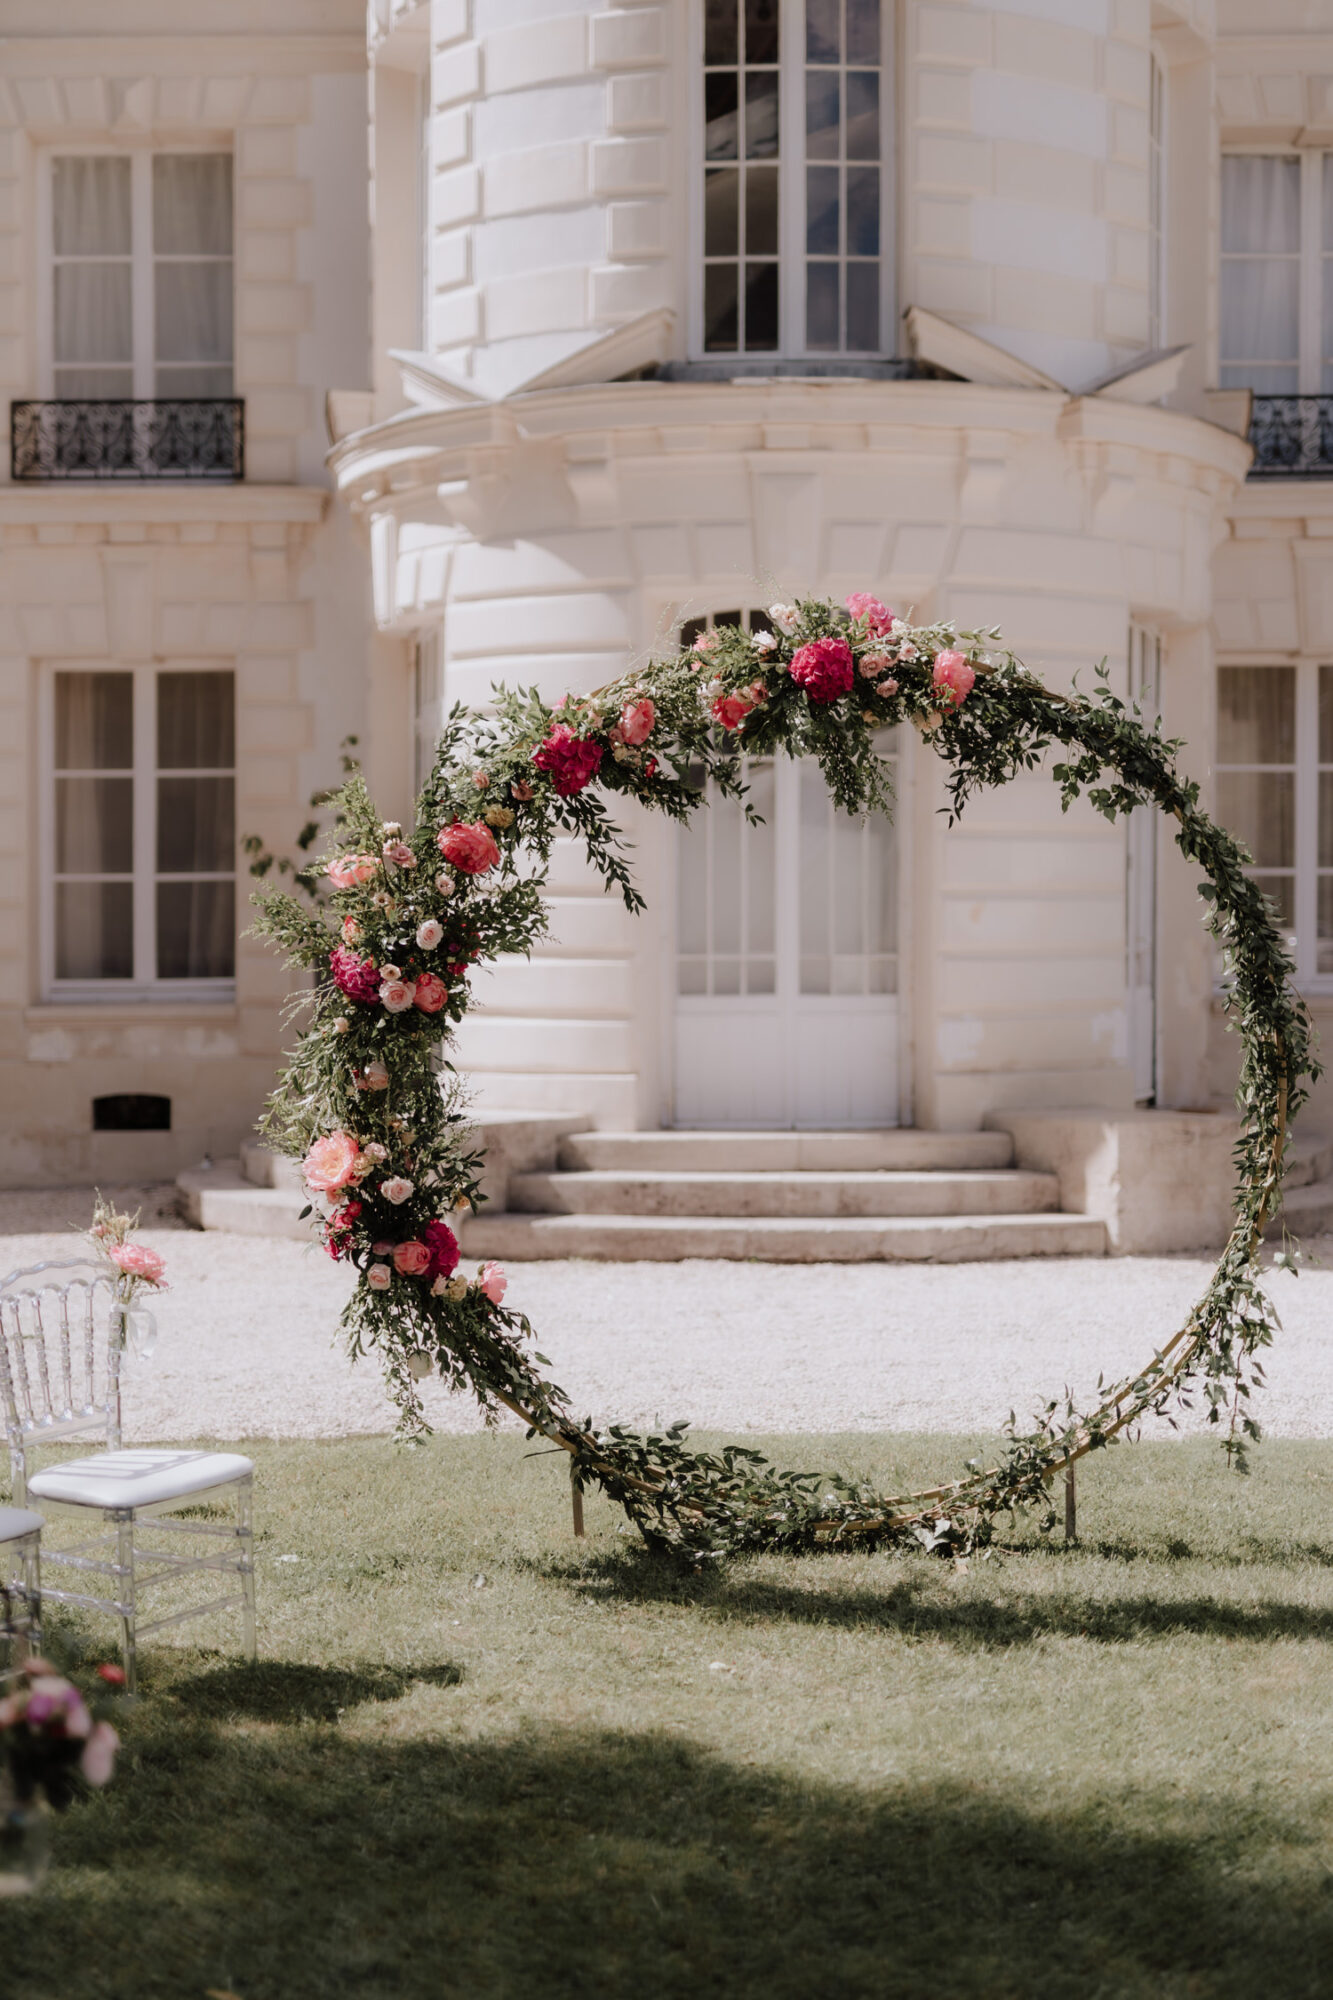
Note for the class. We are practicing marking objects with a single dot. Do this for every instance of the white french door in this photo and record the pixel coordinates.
(786, 1010)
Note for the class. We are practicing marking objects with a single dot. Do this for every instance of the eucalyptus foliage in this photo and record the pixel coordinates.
(371, 1076)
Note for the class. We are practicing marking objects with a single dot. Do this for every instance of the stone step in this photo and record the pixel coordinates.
(826, 1240)
(903, 1150)
(1309, 1159)
(784, 1194)
(222, 1197)
(1307, 1210)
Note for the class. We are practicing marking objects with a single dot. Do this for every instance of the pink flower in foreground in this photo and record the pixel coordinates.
(878, 617)
(431, 993)
(98, 1760)
(493, 1282)
(411, 1259)
(351, 869)
(443, 1246)
(823, 667)
(571, 760)
(636, 722)
(397, 995)
(472, 848)
(331, 1162)
(953, 677)
(358, 978)
(379, 1277)
(136, 1260)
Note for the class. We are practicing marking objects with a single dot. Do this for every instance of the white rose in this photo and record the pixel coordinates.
(785, 616)
(764, 642)
(429, 934)
(445, 884)
(379, 1277)
(396, 1190)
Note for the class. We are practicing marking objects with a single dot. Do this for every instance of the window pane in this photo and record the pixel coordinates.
(194, 319)
(823, 42)
(92, 313)
(760, 976)
(1326, 819)
(821, 211)
(720, 37)
(196, 825)
(720, 316)
(1259, 308)
(1324, 941)
(94, 383)
(728, 834)
(94, 722)
(761, 861)
(191, 384)
(761, 114)
(90, 204)
(721, 212)
(94, 930)
(1326, 715)
(863, 31)
(1259, 808)
(196, 930)
(862, 114)
(822, 98)
(1256, 715)
(863, 307)
(862, 211)
(94, 826)
(761, 308)
(192, 204)
(821, 307)
(720, 134)
(1261, 203)
(761, 31)
(196, 727)
(761, 212)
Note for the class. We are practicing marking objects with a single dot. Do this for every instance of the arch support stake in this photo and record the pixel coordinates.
(1071, 1506)
(576, 1495)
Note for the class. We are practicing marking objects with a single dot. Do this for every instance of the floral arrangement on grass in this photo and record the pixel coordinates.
(50, 1742)
(382, 1135)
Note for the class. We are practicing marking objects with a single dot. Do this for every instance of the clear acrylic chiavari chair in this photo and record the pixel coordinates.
(63, 1334)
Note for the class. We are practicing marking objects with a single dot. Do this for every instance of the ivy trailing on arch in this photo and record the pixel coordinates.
(409, 913)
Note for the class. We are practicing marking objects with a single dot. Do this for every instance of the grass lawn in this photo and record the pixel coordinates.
(479, 1759)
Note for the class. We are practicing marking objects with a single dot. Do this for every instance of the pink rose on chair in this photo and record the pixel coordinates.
(136, 1260)
(442, 1245)
(953, 677)
(571, 760)
(411, 1259)
(491, 1279)
(331, 1163)
(431, 993)
(472, 848)
(349, 870)
(358, 978)
(636, 722)
(878, 617)
(823, 667)
(397, 995)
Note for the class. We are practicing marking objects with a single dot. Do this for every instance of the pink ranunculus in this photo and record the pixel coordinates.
(331, 1162)
(824, 668)
(953, 677)
(571, 760)
(349, 870)
(379, 1277)
(431, 993)
(874, 664)
(878, 617)
(731, 709)
(429, 934)
(396, 1189)
(636, 722)
(136, 1260)
(98, 1759)
(443, 1246)
(358, 978)
(397, 995)
(400, 854)
(411, 1259)
(493, 1282)
(473, 848)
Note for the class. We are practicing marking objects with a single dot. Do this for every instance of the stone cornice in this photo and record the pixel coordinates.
(26, 56)
(66, 502)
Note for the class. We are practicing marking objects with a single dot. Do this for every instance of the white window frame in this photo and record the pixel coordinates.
(142, 256)
(791, 197)
(1309, 313)
(145, 985)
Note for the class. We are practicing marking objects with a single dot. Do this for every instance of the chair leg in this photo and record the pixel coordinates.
(246, 1545)
(32, 1584)
(125, 1593)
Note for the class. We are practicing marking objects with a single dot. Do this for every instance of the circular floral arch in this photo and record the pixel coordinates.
(384, 1138)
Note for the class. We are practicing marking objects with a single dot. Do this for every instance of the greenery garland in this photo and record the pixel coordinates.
(384, 1137)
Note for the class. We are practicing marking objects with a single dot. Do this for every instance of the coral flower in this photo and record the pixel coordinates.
(472, 848)
(136, 1260)
(492, 1280)
(351, 869)
(953, 677)
(411, 1259)
(636, 722)
(431, 993)
(331, 1162)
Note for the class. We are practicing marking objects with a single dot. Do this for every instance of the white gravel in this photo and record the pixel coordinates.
(249, 1344)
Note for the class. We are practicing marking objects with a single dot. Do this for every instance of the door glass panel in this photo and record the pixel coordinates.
(726, 887)
(1256, 715)
(848, 915)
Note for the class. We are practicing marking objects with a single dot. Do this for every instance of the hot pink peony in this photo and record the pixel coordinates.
(358, 978)
(493, 1282)
(824, 668)
(472, 848)
(571, 760)
(953, 677)
(351, 869)
(136, 1260)
(331, 1162)
(431, 993)
(636, 722)
(411, 1259)
(878, 617)
(443, 1246)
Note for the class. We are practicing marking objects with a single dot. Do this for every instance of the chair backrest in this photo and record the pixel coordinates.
(61, 1337)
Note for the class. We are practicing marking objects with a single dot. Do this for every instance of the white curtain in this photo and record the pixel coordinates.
(192, 275)
(93, 323)
(1260, 288)
(94, 825)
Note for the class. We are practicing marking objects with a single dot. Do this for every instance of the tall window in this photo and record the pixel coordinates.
(1277, 272)
(795, 96)
(1275, 792)
(140, 294)
(142, 817)
(1156, 203)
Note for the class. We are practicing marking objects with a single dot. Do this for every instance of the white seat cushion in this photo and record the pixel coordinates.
(16, 1521)
(136, 1478)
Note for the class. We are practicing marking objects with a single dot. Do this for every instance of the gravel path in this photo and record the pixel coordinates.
(248, 1343)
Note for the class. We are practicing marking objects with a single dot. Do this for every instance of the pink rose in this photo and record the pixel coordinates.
(954, 677)
(431, 993)
(429, 934)
(824, 668)
(98, 1759)
(521, 791)
(357, 977)
(411, 1259)
(636, 722)
(396, 1189)
(136, 1260)
(887, 687)
(878, 617)
(379, 1277)
(397, 995)
(399, 853)
(331, 1162)
(571, 760)
(443, 1246)
(481, 779)
(375, 1076)
(705, 642)
(471, 848)
(351, 869)
(493, 1282)
(874, 663)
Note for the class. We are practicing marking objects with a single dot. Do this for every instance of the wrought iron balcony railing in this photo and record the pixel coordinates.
(1292, 437)
(171, 437)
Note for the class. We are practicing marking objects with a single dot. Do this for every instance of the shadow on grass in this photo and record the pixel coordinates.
(289, 1691)
(298, 1862)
